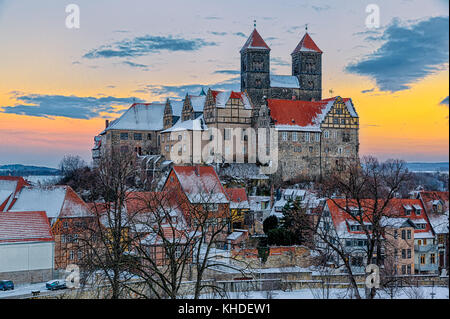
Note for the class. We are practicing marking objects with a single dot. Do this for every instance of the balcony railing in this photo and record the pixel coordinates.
(425, 248)
(426, 267)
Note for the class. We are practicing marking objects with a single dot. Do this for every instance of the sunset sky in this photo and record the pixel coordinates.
(58, 85)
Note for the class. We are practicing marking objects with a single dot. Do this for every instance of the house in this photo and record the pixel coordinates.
(436, 206)
(337, 223)
(26, 247)
(67, 213)
(399, 246)
(198, 193)
(10, 186)
(260, 208)
(240, 207)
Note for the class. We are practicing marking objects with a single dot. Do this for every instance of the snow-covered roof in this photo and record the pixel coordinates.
(235, 235)
(440, 223)
(198, 102)
(177, 107)
(307, 116)
(424, 235)
(56, 201)
(190, 125)
(9, 186)
(284, 81)
(24, 227)
(141, 117)
(221, 98)
(201, 184)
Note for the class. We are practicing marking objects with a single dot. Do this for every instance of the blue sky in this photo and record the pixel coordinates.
(142, 50)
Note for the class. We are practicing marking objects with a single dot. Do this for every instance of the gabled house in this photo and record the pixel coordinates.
(240, 207)
(67, 213)
(196, 191)
(26, 247)
(436, 206)
(337, 221)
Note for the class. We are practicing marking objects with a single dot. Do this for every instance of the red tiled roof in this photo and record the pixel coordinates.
(307, 43)
(255, 41)
(428, 196)
(237, 195)
(295, 112)
(24, 227)
(299, 113)
(394, 209)
(192, 178)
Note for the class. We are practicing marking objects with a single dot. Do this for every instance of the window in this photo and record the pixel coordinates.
(409, 234)
(395, 234)
(342, 121)
(418, 212)
(403, 234)
(403, 269)
(138, 136)
(294, 136)
(307, 137)
(311, 149)
(326, 134)
(317, 137)
(422, 259)
(408, 212)
(80, 255)
(432, 258)
(340, 151)
(335, 121)
(227, 134)
(149, 136)
(124, 136)
(409, 253)
(66, 224)
(348, 243)
(75, 238)
(409, 269)
(180, 137)
(284, 136)
(63, 239)
(71, 255)
(403, 253)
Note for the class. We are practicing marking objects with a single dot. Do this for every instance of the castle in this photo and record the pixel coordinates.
(314, 135)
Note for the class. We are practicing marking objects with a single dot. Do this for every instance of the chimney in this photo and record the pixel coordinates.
(106, 123)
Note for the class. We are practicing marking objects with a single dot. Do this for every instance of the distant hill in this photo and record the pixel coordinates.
(26, 170)
(427, 167)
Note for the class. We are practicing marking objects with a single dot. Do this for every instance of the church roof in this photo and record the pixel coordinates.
(296, 115)
(307, 45)
(284, 81)
(255, 41)
(141, 117)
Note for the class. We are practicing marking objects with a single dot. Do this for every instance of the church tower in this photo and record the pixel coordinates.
(307, 67)
(255, 67)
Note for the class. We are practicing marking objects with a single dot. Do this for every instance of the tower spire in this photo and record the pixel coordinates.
(254, 23)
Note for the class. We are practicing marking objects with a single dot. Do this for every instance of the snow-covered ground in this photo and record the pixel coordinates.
(335, 293)
(25, 289)
(42, 179)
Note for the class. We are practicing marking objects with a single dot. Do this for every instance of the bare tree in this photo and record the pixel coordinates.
(106, 248)
(364, 192)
